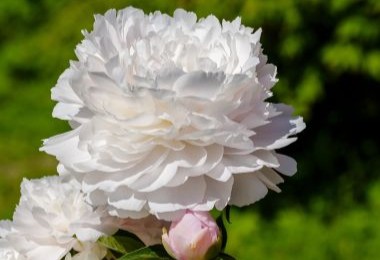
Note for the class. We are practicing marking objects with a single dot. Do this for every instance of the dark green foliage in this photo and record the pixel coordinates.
(223, 230)
(121, 243)
(152, 252)
(223, 256)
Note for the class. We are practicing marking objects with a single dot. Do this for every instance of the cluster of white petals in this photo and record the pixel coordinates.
(88, 251)
(51, 219)
(170, 113)
(7, 251)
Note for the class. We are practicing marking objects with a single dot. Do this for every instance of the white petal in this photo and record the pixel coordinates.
(266, 158)
(65, 148)
(191, 156)
(288, 166)
(268, 182)
(63, 90)
(219, 192)
(199, 84)
(247, 189)
(46, 252)
(220, 173)
(186, 196)
(126, 199)
(214, 156)
(66, 111)
(276, 134)
(118, 212)
(242, 163)
(272, 175)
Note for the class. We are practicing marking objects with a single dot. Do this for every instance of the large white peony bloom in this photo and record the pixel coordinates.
(169, 113)
(53, 218)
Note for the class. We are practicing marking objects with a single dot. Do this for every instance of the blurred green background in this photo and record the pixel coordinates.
(328, 59)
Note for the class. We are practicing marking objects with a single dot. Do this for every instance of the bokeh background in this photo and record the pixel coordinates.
(328, 59)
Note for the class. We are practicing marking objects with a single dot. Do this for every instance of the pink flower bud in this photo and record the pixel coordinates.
(195, 236)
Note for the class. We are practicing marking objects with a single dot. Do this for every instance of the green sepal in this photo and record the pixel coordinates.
(223, 231)
(224, 256)
(156, 252)
(121, 242)
(214, 250)
(112, 244)
(228, 215)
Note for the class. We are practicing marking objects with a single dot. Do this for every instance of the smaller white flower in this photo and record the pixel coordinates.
(52, 218)
(7, 252)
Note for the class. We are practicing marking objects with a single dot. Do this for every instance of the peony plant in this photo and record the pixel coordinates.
(170, 120)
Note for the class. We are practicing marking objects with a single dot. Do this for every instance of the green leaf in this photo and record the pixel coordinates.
(129, 240)
(156, 252)
(129, 243)
(113, 244)
(228, 210)
(121, 244)
(221, 225)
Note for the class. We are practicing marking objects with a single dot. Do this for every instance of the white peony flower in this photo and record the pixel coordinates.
(52, 218)
(169, 113)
